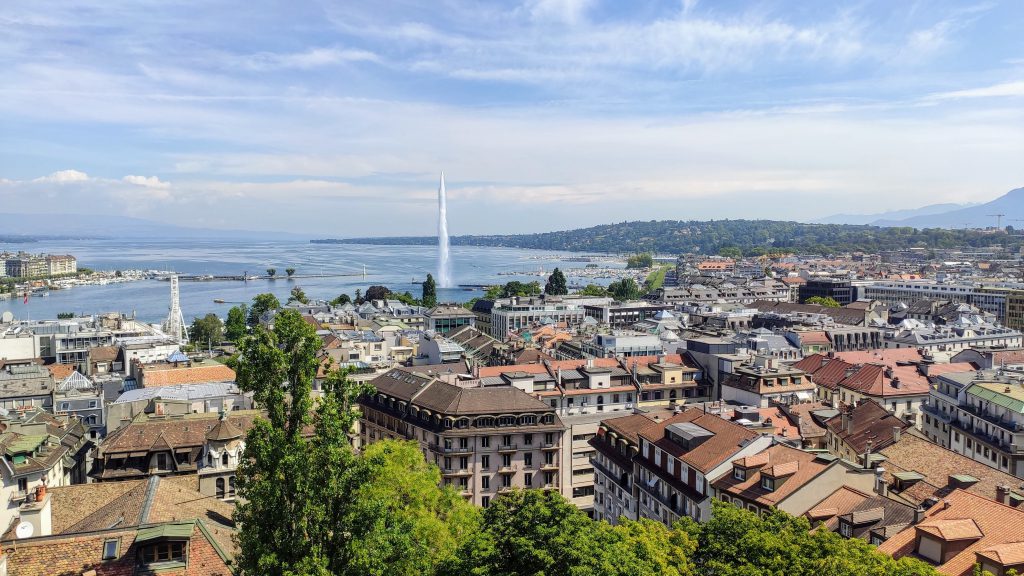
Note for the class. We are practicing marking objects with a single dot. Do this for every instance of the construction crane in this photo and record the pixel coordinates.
(999, 219)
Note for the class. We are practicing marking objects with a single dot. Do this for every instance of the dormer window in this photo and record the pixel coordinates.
(845, 529)
(739, 473)
(767, 483)
(162, 552)
(110, 548)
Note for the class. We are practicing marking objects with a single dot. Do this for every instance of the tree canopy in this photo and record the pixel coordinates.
(261, 304)
(823, 301)
(625, 289)
(557, 284)
(513, 288)
(644, 260)
(429, 292)
(206, 330)
(298, 295)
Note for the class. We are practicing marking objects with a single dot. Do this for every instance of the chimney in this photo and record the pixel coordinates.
(1003, 494)
(919, 514)
(38, 514)
(844, 420)
(897, 432)
(880, 486)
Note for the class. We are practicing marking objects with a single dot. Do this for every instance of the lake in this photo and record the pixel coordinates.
(400, 268)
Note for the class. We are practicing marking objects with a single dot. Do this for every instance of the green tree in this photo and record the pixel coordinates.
(535, 532)
(341, 300)
(298, 295)
(429, 292)
(262, 304)
(643, 260)
(359, 296)
(556, 285)
(625, 289)
(593, 290)
(377, 293)
(823, 301)
(235, 327)
(731, 252)
(205, 330)
(735, 542)
(308, 504)
(271, 272)
(289, 271)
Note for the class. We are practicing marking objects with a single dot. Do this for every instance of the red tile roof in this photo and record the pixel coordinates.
(959, 515)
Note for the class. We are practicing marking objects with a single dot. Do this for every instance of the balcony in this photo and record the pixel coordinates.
(506, 448)
(549, 446)
(19, 496)
(993, 441)
(1001, 421)
(507, 470)
(449, 451)
(621, 479)
(466, 493)
(503, 489)
(549, 466)
(944, 416)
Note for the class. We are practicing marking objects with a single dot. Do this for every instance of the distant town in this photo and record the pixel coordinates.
(877, 396)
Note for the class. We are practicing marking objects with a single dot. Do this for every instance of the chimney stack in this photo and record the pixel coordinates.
(38, 514)
(880, 486)
(897, 432)
(919, 514)
(1003, 494)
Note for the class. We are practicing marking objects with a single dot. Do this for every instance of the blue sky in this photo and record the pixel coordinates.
(335, 118)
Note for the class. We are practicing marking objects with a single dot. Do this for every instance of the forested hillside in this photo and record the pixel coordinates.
(751, 237)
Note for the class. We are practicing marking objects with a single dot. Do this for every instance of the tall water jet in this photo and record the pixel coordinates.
(444, 265)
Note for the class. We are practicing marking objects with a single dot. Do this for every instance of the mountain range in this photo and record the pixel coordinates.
(1010, 205)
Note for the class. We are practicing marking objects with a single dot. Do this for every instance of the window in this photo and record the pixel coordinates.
(506, 460)
(528, 439)
(506, 440)
(110, 549)
(506, 481)
(161, 461)
(220, 488)
(549, 437)
(209, 457)
(485, 501)
(485, 482)
(224, 459)
(528, 460)
(463, 443)
(485, 441)
(22, 484)
(767, 483)
(528, 480)
(844, 529)
(163, 552)
(231, 486)
(485, 462)
(739, 473)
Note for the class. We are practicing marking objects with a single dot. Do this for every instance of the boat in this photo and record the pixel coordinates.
(218, 301)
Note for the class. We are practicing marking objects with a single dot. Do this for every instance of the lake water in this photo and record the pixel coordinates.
(400, 268)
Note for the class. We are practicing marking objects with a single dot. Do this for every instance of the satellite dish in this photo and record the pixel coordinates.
(7, 317)
(24, 530)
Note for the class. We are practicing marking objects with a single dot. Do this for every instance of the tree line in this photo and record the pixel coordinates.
(731, 237)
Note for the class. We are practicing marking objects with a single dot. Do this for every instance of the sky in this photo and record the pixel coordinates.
(336, 118)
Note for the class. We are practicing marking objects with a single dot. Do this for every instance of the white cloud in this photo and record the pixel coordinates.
(565, 11)
(1006, 89)
(63, 176)
(312, 58)
(147, 182)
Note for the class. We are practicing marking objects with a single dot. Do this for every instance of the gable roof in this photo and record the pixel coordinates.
(962, 515)
(808, 466)
(727, 438)
(868, 422)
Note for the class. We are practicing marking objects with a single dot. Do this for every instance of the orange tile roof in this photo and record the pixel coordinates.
(840, 502)
(60, 371)
(1005, 554)
(750, 488)
(953, 529)
(154, 375)
(950, 368)
(998, 524)
(727, 439)
(881, 356)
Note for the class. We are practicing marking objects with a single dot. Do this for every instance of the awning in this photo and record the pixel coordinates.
(175, 531)
(803, 395)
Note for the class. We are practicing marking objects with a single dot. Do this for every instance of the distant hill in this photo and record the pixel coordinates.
(979, 216)
(96, 226)
(751, 237)
(890, 216)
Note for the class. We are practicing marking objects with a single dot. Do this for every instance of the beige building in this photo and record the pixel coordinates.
(485, 439)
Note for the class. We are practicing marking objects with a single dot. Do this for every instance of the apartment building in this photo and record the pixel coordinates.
(861, 428)
(991, 298)
(979, 415)
(624, 314)
(680, 457)
(623, 345)
(514, 314)
(764, 380)
(485, 438)
(739, 291)
(445, 318)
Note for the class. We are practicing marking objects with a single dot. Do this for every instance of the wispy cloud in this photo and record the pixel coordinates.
(1003, 90)
(306, 60)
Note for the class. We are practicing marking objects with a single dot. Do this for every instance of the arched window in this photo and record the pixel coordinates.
(600, 399)
(220, 487)
(209, 459)
(231, 486)
(224, 459)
